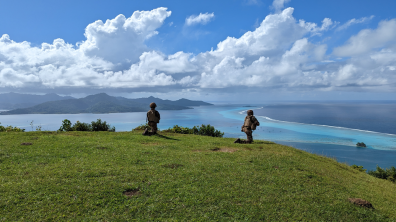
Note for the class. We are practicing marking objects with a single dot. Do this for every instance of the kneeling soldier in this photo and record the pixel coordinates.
(153, 118)
(248, 126)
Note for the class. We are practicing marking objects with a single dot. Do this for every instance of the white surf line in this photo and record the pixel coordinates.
(247, 110)
(338, 127)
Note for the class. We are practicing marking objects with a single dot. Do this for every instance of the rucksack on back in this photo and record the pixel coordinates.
(250, 123)
(152, 117)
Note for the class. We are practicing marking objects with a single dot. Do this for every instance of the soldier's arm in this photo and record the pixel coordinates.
(254, 120)
(157, 115)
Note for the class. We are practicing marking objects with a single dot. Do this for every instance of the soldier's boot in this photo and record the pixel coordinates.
(145, 133)
(237, 141)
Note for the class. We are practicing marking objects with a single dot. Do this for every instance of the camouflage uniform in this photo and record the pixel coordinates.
(247, 127)
(152, 122)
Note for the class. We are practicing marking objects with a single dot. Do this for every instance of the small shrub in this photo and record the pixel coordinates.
(360, 168)
(203, 130)
(10, 129)
(387, 174)
(180, 129)
(79, 126)
(142, 127)
(101, 126)
(66, 125)
(207, 130)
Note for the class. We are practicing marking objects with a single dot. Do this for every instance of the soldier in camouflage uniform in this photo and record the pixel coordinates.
(248, 126)
(153, 118)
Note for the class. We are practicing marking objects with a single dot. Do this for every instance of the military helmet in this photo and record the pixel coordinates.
(250, 112)
(153, 105)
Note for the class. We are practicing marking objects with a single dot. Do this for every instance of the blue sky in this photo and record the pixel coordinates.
(317, 50)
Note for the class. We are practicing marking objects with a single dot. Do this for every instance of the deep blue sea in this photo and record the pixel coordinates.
(326, 129)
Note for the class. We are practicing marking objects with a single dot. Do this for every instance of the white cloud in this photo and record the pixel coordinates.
(315, 29)
(121, 40)
(368, 40)
(277, 54)
(278, 5)
(354, 21)
(199, 19)
(274, 35)
(94, 62)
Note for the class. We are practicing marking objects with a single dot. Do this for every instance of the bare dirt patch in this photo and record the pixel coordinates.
(224, 149)
(360, 202)
(172, 165)
(131, 192)
(26, 144)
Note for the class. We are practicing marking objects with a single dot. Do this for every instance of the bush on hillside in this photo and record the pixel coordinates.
(203, 130)
(142, 127)
(66, 125)
(10, 129)
(207, 130)
(180, 129)
(387, 174)
(360, 168)
(101, 126)
(79, 126)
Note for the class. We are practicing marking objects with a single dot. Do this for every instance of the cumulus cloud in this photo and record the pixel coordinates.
(354, 21)
(199, 19)
(279, 53)
(368, 39)
(94, 62)
(315, 29)
(278, 5)
(121, 39)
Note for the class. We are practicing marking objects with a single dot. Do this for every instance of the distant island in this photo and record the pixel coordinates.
(102, 103)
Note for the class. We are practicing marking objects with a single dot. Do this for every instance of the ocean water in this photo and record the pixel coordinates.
(326, 129)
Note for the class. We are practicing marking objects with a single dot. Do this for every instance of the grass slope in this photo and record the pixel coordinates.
(83, 175)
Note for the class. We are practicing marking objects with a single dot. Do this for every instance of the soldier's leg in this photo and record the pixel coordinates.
(151, 124)
(154, 129)
(249, 136)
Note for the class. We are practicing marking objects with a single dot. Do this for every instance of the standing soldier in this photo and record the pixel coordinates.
(250, 124)
(153, 118)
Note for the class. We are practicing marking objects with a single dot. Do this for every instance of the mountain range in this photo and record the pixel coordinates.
(103, 103)
(12, 100)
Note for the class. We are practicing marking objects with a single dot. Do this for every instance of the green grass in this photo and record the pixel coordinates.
(82, 176)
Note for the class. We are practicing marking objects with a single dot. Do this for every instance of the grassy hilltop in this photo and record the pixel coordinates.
(124, 176)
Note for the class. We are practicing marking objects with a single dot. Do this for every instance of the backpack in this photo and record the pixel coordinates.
(255, 124)
(152, 117)
(250, 123)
